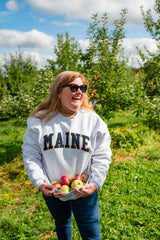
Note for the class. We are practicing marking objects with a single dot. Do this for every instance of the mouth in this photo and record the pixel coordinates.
(76, 98)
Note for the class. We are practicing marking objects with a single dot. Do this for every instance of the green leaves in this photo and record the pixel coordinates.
(107, 74)
(17, 73)
(67, 53)
(152, 26)
(124, 138)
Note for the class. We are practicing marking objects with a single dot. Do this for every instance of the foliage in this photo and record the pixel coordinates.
(41, 85)
(17, 73)
(124, 138)
(15, 106)
(152, 72)
(151, 25)
(21, 105)
(67, 54)
(151, 76)
(149, 101)
(150, 109)
(111, 81)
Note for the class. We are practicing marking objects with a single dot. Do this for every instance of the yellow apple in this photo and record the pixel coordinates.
(65, 189)
(76, 184)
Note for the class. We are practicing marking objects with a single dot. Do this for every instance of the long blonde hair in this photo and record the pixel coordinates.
(51, 105)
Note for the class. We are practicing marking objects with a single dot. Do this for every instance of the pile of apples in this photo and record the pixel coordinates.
(65, 184)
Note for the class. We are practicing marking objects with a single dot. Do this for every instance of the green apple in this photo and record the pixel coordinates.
(76, 184)
(65, 189)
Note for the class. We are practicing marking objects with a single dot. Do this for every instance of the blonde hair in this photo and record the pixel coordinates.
(52, 105)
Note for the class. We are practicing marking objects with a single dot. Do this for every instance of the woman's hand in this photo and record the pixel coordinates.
(85, 190)
(48, 190)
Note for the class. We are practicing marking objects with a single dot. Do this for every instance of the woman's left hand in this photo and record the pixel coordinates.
(85, 190)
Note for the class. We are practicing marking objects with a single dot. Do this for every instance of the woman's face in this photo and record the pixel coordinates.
(71, 100)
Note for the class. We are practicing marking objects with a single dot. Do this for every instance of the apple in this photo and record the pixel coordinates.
(64, 180)
(84, 177)
(54, 182)
(77, 177)
(56, 185)
(76, 184)
(65, 189)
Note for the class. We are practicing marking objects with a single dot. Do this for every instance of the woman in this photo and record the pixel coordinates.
(66, 137)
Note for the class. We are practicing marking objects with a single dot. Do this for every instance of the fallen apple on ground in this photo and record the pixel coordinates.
(65, 189)
(76, 184)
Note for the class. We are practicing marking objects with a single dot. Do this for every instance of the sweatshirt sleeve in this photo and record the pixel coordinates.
(101, 157)
(32, 155)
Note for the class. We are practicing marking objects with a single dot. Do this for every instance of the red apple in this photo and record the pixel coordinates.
(77, 177)
(84, 177)
(52, 183)
(57, 185)
(64, 180)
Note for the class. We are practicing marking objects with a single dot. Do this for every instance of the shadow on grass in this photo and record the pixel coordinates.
(8, 151)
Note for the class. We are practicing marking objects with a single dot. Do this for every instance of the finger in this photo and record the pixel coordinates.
(50, 187)
(58, 195)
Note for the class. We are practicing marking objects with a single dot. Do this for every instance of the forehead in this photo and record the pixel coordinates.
(78, 81)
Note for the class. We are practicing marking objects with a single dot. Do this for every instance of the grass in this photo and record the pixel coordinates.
(129, 200)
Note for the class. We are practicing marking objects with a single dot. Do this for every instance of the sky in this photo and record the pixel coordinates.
(33, 25)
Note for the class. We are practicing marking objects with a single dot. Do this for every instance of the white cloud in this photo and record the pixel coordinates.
(33, 40)
(66, 23)
(83, 9)
(84, 44)
(130, 50)
(12, 5)
(42, 20)
(40, 59)
(40, 45)
(129, 45)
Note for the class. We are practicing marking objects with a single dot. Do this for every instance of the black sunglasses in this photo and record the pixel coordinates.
(74, 87)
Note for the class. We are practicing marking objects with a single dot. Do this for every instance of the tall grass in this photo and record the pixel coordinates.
(129, 200)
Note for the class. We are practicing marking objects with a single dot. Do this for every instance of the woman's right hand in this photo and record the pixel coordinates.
(46, 189)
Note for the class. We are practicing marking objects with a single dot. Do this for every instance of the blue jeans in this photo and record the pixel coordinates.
(86, 213)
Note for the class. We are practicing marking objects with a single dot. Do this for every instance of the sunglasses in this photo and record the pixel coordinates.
(74, 87)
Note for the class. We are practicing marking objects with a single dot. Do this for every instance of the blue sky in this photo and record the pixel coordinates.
(33, 25)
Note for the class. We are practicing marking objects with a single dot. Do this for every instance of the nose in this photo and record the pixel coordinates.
(79, 91)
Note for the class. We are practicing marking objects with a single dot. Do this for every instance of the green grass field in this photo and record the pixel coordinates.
(129, 200)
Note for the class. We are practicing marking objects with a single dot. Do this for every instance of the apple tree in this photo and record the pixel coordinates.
(18, 72)
(67, 53)
(111, 81)
(150, 101)
(152, 60)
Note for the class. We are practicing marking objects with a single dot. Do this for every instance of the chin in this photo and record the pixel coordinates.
(76, 108)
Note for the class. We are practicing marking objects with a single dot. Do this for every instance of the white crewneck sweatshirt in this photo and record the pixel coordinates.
(67, 146)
